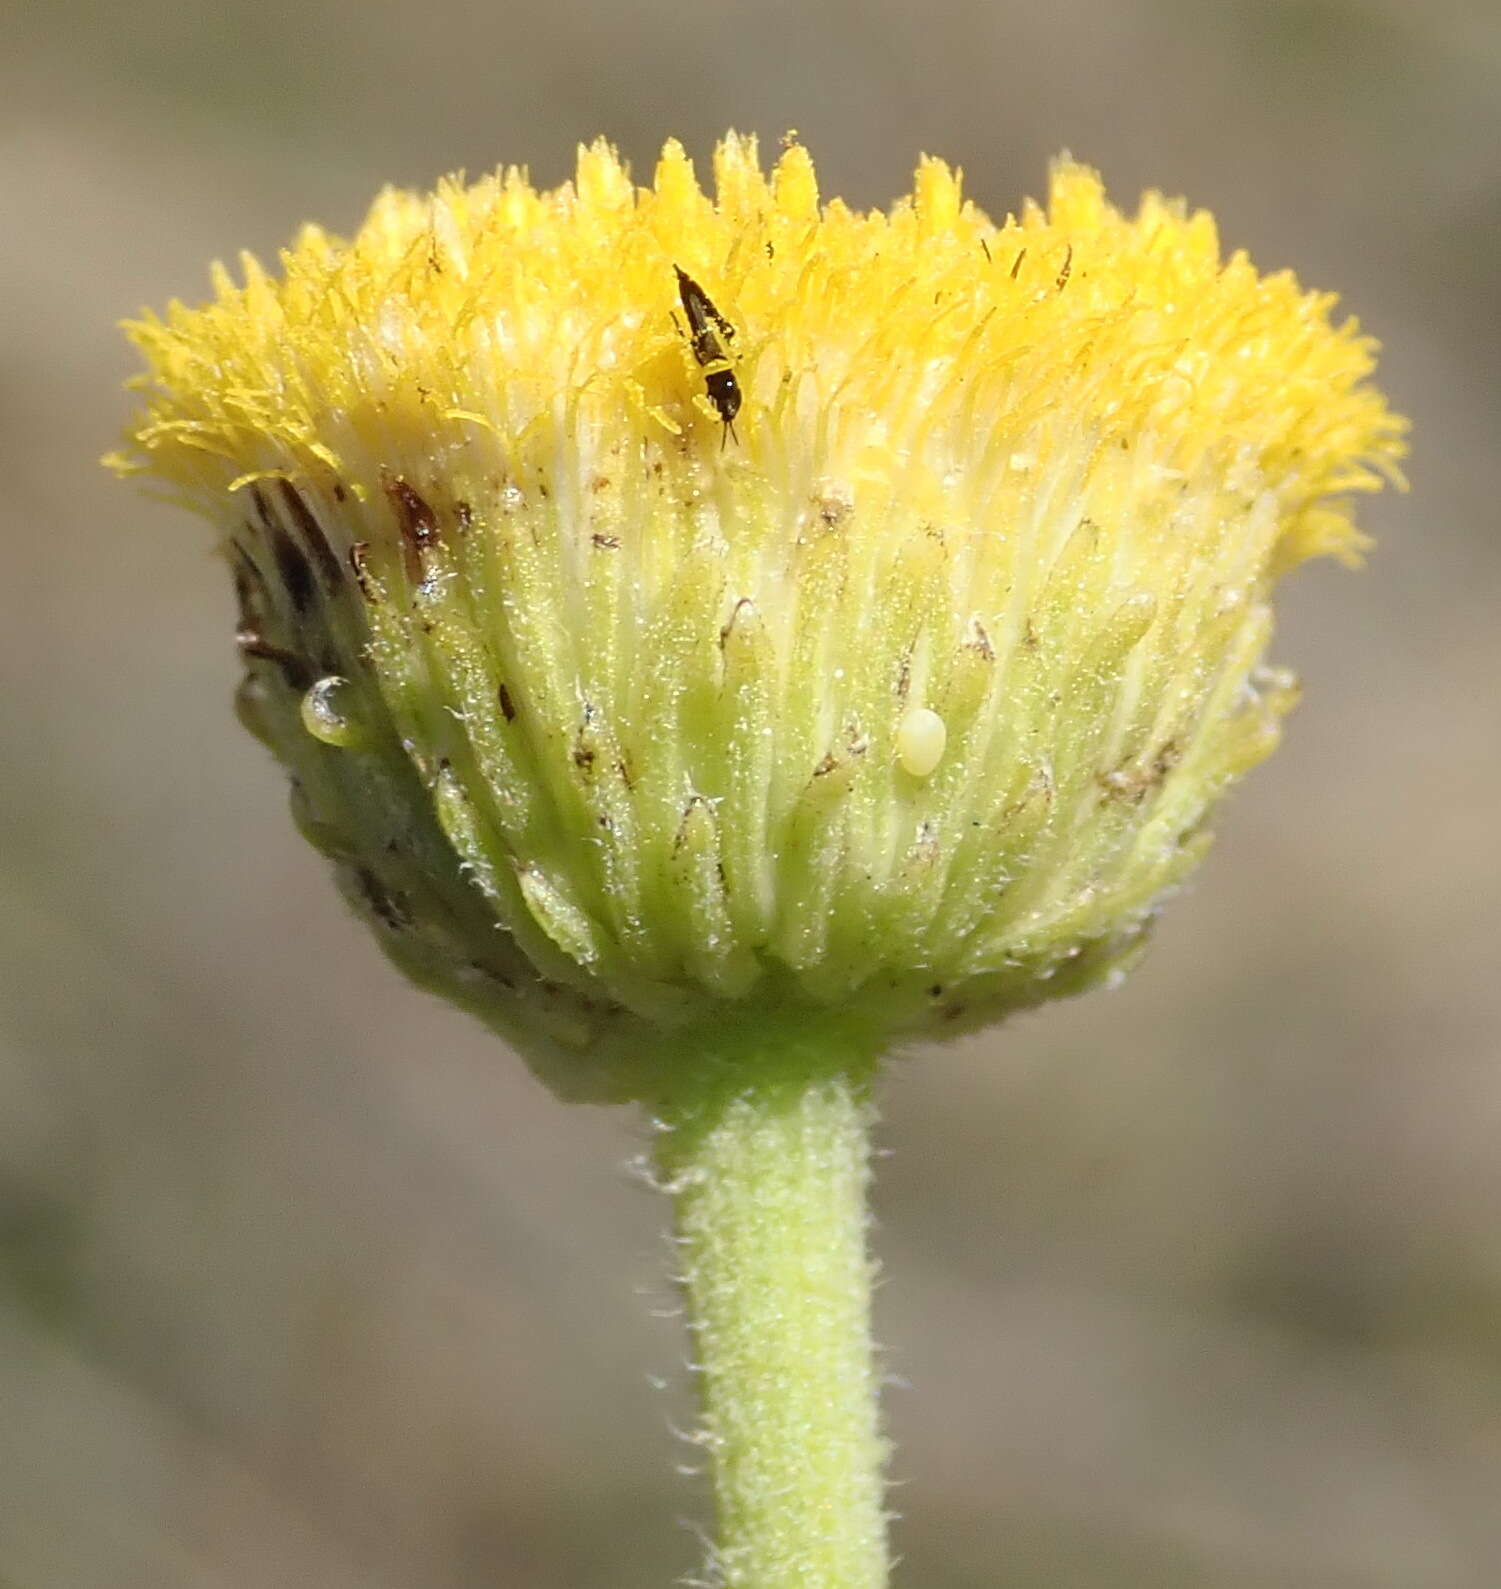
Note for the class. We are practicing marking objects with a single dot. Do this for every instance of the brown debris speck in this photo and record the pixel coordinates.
(1132, 782)
(729, 623)
(359, 561)
(682, 835)
(584, 751)
(833, 509)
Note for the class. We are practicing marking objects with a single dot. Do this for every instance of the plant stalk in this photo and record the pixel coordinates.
(765, 1148)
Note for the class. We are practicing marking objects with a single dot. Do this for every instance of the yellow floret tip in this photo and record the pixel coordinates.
(497, 305)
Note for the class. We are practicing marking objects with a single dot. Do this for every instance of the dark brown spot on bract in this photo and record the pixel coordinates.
(682, 838)
(262, 508)
(295, 670)
(244, 596)
(250, 585)
(388, 907)
(507, 704)
(415, 519)
(311, 532)
(295, 572)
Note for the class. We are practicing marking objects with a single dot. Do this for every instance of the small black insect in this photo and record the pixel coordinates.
(708, 332)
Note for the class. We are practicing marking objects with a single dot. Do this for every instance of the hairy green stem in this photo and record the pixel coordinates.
(766, 1148)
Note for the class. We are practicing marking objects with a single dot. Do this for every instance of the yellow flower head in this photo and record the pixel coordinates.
(669, 604)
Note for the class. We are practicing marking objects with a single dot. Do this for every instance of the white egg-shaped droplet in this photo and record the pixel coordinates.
(920, 739)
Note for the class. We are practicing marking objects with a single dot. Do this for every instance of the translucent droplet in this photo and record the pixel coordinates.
(920, 739)
(328, 714)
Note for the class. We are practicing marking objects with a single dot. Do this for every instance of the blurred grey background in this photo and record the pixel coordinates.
(302, 1282)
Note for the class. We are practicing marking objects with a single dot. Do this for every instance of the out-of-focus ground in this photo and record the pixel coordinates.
(303, 1283)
